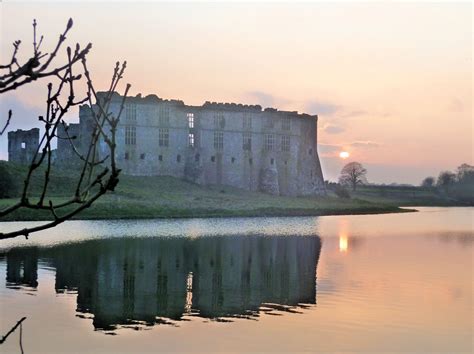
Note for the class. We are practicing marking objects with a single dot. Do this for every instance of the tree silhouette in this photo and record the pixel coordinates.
(428, 182)
(97, 174)
(446, 179)
(353, 174)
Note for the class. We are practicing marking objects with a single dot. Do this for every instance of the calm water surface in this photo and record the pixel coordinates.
(375, 283)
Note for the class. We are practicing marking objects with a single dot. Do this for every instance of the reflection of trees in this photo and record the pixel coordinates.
(121, 281)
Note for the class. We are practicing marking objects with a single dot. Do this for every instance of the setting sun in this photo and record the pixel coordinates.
(344, 155)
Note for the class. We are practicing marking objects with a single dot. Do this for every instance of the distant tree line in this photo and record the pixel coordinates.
(449, 187)
(458, 185)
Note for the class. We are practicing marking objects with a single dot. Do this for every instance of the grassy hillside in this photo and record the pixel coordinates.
(153, 197)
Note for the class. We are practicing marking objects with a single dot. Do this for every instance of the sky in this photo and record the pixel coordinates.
(390, 82)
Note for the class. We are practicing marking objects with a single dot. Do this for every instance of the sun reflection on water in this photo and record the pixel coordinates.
(343, 242)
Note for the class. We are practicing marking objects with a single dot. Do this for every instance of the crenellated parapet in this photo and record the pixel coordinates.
(240, 145)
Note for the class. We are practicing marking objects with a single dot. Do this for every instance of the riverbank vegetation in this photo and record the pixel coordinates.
(167, 197)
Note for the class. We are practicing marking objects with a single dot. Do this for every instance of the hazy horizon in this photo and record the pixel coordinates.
(391, 83)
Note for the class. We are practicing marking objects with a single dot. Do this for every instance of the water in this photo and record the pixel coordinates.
(395, 282)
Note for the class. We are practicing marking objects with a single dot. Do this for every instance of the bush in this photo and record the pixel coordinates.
(8, 187)
(342, 192)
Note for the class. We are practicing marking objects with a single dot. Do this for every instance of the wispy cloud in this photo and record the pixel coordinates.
(322, 108)
(333, 128)
(329, 150)
(365, 144)
(266, 99)
(354, 113)
(263, 98)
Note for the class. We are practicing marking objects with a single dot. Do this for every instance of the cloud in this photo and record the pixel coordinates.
(354, 113)
(322, 108)
(264, 99)
(365, 144)
(328, 150)
(328, 147)
(333, 129)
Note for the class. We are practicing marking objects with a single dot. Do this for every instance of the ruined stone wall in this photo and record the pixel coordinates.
(237, 145)
(22, 145)
(77, 134)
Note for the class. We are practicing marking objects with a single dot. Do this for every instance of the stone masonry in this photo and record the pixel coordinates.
(214, 144)
(22, 145)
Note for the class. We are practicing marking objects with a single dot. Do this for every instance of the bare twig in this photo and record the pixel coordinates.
(10, 113)
(4, 338)
(91, 182)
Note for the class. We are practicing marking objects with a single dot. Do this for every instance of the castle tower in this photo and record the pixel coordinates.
(22, 145)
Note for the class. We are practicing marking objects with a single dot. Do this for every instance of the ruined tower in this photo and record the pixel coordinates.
(22, 145)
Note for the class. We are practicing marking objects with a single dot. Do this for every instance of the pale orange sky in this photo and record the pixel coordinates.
(391, 83)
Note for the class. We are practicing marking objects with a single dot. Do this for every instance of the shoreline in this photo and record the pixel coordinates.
(227, 214)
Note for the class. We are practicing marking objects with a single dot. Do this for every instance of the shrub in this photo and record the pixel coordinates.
(8, 187)
(342, 192)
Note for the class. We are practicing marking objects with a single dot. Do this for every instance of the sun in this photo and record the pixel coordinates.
(343, 155)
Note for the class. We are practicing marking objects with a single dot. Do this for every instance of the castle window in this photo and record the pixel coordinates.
(126, 156)
(218, 140)
(247, 142)
(286, 162)
(160, 158)
(250, 161)
(272, 161)
(190, 117)
(131, 112)
(269, 142)
(247, 122)
(164, 137)
(213, 159)
(310, 151)
(232, 159)
(23, 145)
(219, 121)
(164, 115)
(191, 140)
(285, 143)
(197, 157)
(130, 135)
(178, 158)
(142, 156)
(286, 123)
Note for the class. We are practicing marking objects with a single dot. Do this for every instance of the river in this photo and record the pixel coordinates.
(367, 283)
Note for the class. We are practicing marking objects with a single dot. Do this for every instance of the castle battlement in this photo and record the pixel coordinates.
(232, 144)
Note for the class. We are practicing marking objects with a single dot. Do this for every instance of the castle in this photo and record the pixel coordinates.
(230, 144)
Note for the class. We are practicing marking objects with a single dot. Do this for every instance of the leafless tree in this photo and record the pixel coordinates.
(353, 174)
(98, 174)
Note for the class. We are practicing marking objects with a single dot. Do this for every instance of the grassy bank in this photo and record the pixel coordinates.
(168, 197)
(405, 196)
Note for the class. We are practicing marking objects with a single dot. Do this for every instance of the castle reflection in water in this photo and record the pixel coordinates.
(154, 280)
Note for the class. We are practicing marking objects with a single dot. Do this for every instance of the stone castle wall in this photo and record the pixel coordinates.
(214, 144)
(22, 145)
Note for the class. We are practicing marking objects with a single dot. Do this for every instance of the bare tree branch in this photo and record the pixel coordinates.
(4, 338)
(10, 113)
(98, 174)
